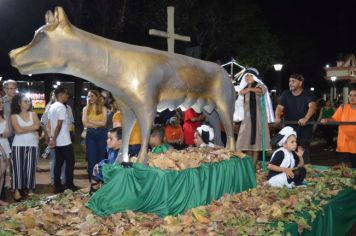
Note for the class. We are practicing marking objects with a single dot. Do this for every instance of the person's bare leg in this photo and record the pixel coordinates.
(3, 166)
(251, 154)
(254, 155)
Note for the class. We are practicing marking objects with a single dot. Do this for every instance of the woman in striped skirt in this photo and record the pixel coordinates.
(24, 146)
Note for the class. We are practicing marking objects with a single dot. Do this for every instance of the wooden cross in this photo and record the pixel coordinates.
(170, 35)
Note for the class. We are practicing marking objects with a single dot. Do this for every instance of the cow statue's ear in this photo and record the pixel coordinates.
(61, 16)
(49, 17)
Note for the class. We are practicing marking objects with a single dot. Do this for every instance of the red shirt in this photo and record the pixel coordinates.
(190, 126)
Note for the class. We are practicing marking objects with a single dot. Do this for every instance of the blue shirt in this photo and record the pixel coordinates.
(112, 154)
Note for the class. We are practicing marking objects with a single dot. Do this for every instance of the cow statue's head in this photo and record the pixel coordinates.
(44, 54)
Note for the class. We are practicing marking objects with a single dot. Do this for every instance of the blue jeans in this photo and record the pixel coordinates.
(95, 142)
(52, 162)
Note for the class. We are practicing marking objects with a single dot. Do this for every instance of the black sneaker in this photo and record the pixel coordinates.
(73, 188)
(59, 189)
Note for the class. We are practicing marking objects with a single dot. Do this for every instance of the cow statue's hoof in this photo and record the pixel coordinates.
(126, 164)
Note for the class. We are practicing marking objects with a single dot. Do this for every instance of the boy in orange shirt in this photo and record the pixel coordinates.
(346, 140)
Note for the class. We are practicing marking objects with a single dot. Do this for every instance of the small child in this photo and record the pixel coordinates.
(157, 141)
(286, 165)
(174, 133)
(204, 136)
(114, 142)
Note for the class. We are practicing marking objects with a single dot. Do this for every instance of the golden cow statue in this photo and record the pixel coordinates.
(143, 80)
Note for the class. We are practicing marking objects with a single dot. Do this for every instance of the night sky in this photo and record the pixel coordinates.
(310, 33)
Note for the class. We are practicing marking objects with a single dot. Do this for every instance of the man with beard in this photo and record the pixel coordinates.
(298, 104)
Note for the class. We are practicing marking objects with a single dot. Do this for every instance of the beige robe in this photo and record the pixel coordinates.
(243, 140)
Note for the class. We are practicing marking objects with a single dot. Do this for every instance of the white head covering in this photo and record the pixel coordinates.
(239, 114)
(209, 130)
(249, 71)
(286, 132)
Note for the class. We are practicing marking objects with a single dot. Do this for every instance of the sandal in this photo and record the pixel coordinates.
(3, 203)
(17, 196)
(341, 165)
(94, 187)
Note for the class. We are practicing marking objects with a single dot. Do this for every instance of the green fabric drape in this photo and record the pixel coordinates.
(338, 217)
(169, 192)
(264, 167)
(163, 148)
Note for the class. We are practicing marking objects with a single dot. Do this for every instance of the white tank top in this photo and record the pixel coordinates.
(27, 139)
(3, 141)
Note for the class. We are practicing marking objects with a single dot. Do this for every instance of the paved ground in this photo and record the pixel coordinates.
(318, 157)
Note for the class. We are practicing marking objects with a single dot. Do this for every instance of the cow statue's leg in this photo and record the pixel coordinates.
(225, 106)
(225, 114)
(127, 123)
(214, 121)
(145, 117)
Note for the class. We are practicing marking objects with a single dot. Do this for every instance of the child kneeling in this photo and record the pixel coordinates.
(114, 142)
(286, 165)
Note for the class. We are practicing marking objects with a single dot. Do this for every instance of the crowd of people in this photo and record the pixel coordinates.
(102, 121)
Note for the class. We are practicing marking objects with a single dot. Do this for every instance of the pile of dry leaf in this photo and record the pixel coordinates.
(248, 213)
(190, 158)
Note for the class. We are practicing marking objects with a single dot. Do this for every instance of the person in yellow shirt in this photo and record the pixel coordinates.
(94, 120)
(135, 138)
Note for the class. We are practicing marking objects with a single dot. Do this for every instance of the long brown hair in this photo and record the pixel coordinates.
(99, 104)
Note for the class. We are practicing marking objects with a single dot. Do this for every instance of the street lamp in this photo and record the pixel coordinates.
(333, 79)
(278, 68)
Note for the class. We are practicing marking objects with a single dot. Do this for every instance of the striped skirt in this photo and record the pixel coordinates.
(24, 164)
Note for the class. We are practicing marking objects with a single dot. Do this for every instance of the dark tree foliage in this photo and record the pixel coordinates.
(222, 29)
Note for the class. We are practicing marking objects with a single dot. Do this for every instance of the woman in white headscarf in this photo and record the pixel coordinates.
(286, 165)
(253, 95)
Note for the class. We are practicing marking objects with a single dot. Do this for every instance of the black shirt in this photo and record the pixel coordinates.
(296, 107)
(277, 161)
